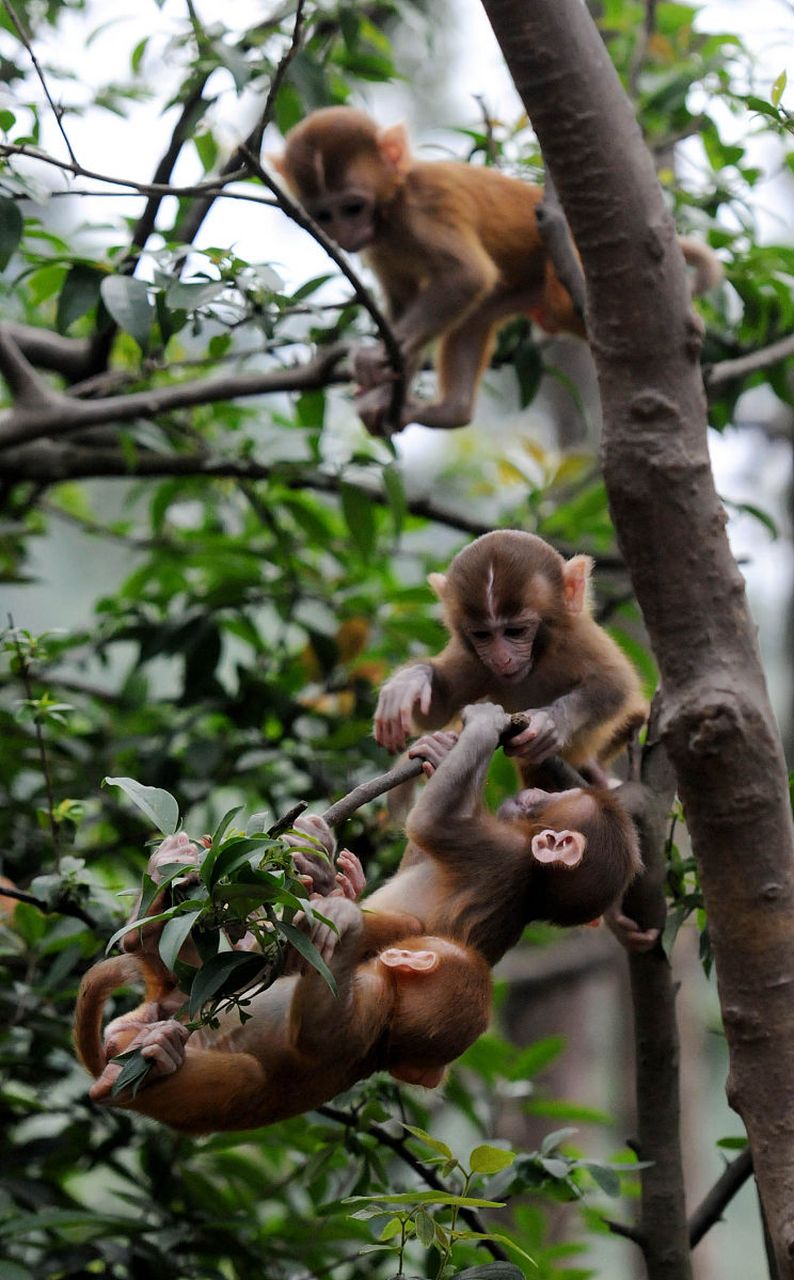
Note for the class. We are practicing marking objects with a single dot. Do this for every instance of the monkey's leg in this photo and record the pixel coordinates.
(462, 358)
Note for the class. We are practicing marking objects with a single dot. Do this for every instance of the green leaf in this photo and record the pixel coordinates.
(607, 1179)
(486, 1159)
(79, 294)
(175, 932)
(425, 1228)
(429, 1140)
(358, 510)
(307, 949)
(393, 1228)
(426, 1197)
(159, 806)
(11, 226)
(227, 972)
(395, 494)
(133, 1073)
(127, 300)
(220, 830)
(778, 88)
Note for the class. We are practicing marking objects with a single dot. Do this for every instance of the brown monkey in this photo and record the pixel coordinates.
(522, 634)
(301, 1044)
(478, 877)
(456, 250)
(409, 1008)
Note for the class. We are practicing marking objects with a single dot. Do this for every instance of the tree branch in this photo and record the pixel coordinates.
(710, 1210)
(716, 376)
(25, 38)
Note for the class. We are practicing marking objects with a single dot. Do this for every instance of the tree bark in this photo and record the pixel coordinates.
(718, 726)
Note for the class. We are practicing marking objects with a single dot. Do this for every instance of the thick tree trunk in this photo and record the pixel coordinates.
(718, 726)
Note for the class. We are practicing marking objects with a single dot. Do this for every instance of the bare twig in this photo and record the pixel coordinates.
(641, 46)
(25, 38)
(716, 376)
(255, 138)
(298, 214)
(58, 414)
(63, 907)
(711, 1208)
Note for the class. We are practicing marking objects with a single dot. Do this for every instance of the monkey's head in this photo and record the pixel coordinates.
(344, 170)
(442, 1003)
(506, 595)
(584, 850)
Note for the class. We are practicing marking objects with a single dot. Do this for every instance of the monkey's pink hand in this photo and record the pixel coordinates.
(628, 932)
(541, 738)
(350, 878)
(174, 850)
(398, 697)
(313, 843)
(432, 749)
(163, 1043)
(347, 918)
(485, 717)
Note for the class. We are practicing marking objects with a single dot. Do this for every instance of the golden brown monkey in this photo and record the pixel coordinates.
(480, 878)
(395, 1008)
(521, 634)
(456, 250)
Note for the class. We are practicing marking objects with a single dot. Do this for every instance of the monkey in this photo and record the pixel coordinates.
(455, 248)
(521, 634)
(395, 1009)
(480, 878)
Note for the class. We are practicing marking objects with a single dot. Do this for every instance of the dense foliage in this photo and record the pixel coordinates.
(273, 572)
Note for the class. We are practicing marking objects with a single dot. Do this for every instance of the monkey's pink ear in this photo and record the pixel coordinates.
(438, 584)
(565, 847)
(428, 1077)
(393, 146)
(576, 581)
(408, 961)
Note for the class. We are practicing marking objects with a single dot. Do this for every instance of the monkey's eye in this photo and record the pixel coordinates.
(480, 635)
(352, 208)
(515, 633)
(322, 215)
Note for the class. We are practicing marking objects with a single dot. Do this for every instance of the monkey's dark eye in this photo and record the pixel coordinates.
(480, 635)
(322, 215)
(352, 208)
(515, 633)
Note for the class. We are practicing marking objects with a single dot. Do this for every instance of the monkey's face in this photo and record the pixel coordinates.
(532, 802)
(506, 646)
(347, 216)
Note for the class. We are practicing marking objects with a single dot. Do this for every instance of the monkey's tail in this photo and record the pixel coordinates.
(707, 268)
(98, 984)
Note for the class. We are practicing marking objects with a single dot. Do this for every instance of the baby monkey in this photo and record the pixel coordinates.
(396, 1009)
(523, 635)
(456, 249)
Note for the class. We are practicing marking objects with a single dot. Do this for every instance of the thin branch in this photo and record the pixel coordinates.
(641, 47)
(298, 214)
(255, 138)
(711, 1208)
(624, 1230)
(716, 376)
(210, 187)
(400, 1148)
(61, 414)
(56, 111)
(62, 907)
(25, 677)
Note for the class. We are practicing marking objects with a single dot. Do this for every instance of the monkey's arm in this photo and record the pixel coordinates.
(426, 694)
(452, 799)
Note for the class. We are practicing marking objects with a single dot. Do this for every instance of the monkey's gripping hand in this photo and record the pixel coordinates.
(371, 366)
(175, 850)
(162, 1043)
(313, 844)
(397, 699)
(543, 737)
(347, 918)
(432, 749)
(487, 719)
(628, 932)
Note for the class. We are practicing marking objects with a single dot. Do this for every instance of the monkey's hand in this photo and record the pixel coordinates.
(162, 1043)
(313, 843)
(371, 366)
(350, 879)
(347, 918)
(396, 702)
(628, 932)
(175, 850)
(541, 738)
(432, 749)
(485, 718)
